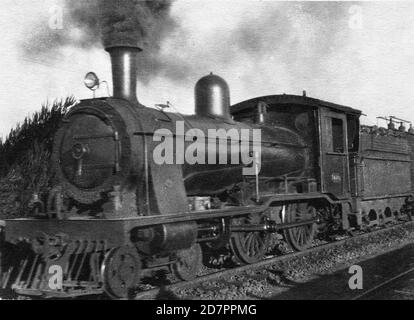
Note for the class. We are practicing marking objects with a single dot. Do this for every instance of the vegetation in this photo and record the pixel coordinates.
(25, 168)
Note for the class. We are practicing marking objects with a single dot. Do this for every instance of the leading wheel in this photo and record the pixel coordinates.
(300, 238)
(121, 272)
(188, 263)
(250, 247)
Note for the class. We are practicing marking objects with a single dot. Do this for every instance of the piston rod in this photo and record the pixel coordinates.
(271, 227)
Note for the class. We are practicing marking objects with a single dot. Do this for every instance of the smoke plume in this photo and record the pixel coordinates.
(89, 24)
(295, 33)
(259, 47)
(297, 36)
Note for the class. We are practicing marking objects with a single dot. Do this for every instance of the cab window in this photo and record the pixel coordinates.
(337, 136)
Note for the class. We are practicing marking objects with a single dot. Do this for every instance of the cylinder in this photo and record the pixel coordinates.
(165, 237)
(124, 72)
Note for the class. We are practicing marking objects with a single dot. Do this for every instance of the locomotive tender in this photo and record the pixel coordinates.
(116, 217)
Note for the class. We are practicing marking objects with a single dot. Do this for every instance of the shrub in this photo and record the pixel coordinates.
(25, 167)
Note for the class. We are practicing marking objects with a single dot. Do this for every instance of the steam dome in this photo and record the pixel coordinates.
(212, 97)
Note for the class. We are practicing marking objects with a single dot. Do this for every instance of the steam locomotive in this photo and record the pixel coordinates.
(116, 216)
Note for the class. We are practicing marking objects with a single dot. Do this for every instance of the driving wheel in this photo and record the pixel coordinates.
(250, 246)
(300, 238)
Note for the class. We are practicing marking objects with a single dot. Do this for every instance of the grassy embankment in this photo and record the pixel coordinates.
(25, 167)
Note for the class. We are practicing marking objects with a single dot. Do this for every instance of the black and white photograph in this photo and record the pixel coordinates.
(205, 157)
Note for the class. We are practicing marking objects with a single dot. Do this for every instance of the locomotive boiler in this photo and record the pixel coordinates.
(139, 190)
(112, 142)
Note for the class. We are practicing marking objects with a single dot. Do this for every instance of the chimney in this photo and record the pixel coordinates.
(124, 72)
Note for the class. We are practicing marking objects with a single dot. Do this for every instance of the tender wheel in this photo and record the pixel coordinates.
(188, 263)
(300, 238)
(121, 271)
(250, 247)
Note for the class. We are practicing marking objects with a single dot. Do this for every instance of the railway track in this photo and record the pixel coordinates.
(153, 293)
(399, 287)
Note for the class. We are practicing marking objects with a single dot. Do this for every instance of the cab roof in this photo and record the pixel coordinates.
(283, 99)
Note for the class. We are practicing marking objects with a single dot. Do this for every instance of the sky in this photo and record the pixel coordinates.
(359, 54)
